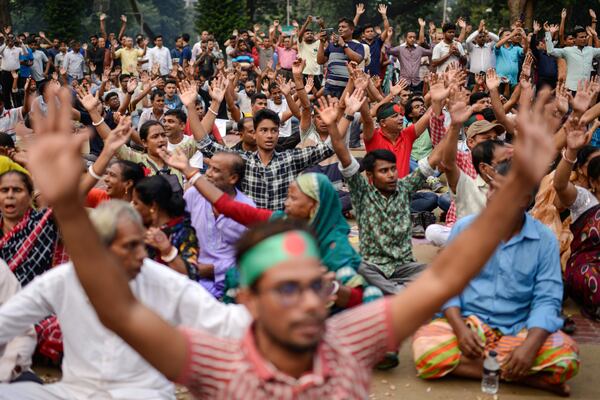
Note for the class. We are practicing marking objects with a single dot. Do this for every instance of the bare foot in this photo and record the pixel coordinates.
(562, 389)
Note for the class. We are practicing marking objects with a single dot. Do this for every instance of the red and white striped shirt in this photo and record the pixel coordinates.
(234, 369)
(464, 161)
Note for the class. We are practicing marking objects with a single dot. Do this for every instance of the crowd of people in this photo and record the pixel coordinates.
(184, 215)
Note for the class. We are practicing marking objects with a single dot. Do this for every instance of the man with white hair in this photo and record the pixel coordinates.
(97, 363)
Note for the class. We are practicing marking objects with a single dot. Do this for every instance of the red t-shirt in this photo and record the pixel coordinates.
(95, 197)
(402, 148)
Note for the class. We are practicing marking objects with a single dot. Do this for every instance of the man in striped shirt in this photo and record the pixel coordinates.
(290, 350)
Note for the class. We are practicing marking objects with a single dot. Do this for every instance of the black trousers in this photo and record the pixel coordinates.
(6, 80)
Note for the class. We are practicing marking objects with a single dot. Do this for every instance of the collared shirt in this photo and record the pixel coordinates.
(268, 184)
(9, 119)
(402, 147)
(37, 69)
(579, 61)
(74, 63)
(374, 66)
(337, 71)
(521, 284)
(129, 59)
(10, 58)
(148, 115)
(471, 195)
(286, 57)
(443, 48)
(353, 343)
(507, 62)
(162, 57)
(464, 161)
(481, 57)
(217, 237)
(410, 61)
(545, 64)
(384, 222)
(98, 362)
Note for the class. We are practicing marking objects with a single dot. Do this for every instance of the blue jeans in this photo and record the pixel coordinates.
(423, 201)
(414, 164)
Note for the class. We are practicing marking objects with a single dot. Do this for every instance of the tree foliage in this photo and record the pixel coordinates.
(55, 14)
(221, 17)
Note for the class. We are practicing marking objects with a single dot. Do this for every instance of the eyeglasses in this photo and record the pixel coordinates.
(290, 293)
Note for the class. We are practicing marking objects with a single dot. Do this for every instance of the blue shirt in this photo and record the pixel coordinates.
(26, 63)
(374, 68)
(186, 53)
(507, 62)
(177, 54)
(521, 284)
(337, 72)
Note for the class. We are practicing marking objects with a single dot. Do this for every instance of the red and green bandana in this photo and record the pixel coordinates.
(275, 250)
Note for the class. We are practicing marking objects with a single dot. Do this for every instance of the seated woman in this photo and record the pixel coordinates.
(312, 198)
(582, 271)
(170, 234)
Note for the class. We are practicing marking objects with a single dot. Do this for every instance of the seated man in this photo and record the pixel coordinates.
(216, 233)
(98, 364)
(512, 307)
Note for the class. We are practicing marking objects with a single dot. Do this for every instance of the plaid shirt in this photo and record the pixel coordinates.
(268, 184)
(437, 131)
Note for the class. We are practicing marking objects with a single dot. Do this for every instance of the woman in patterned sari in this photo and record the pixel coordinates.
(582, 272)
(170, 235)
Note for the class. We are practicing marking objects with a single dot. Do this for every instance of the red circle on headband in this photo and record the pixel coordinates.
(294, 244)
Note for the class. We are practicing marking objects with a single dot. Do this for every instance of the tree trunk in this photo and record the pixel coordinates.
(515, 8)
(137, 15)
(5, 18)
(529, 6)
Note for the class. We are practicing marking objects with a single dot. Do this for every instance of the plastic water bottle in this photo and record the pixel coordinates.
(491, 374)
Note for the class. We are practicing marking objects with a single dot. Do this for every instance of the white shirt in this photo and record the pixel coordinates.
(162, 57)
(196, 160)
(73, 63)
(244, 102)
(470, 196)
(10, 58)
(19, 350)
(443, 48)
(483, 57)
(96, 361)
(308, 52)
(37, 69)
(285, 129)
(9, 119)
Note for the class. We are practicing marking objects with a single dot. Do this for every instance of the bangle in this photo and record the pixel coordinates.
(190, 176)
(564, 156)
(171, 256)
(349, 117)
(194, 178)
(93, 174)
(302, 88)
(98, 123)
(212, 112)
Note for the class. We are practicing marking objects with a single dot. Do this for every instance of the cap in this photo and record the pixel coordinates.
(388, 109)
(484, 126)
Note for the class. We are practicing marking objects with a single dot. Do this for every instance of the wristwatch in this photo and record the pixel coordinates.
(349, 117)
(345, 46)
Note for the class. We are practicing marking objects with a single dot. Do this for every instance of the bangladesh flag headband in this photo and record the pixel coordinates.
(274, 250)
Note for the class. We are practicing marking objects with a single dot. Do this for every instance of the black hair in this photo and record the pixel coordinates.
(348, 21)
(6, 140)
(266, 114)
(409, 105)
(475, 97)
(110, 95)
(273, 85)
(122, 77)
(155, 93)
(484, 152)
(594, 168)
(583, 155)
(157, 189)
(173, 81)
(256, 96)
(177, 113)
(186, 37)
(367, 26)
(145, 128)
(94, 36)
(241, 122)
(130, 171)
(448, 26)
(368, 162)
(26, 179)
(577, 30)
(158, 37)
(488, 114)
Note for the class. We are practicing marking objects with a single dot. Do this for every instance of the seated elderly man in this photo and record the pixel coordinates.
(97, 363)
(512, 307)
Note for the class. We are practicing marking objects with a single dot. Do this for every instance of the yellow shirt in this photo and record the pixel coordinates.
(129, 59)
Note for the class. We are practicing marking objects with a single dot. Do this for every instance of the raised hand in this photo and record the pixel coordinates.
(563, 13)
(360, 9)
(577, 137)
(492, 81)
(176, 159)
(361, 80)
(527, 63)
(536, 27)
(88, 100)
(583, 97)
(439, 92)
(328, 109)
(399, 87)
(562, 98)
(459, 109)
(286, 87)
(554, 28)
(132, 85)
(188, 93)
(355, 101)
(382, 9)
(461, 23)
(15, 74)
(120, 135)
(298, 66)
(42, 35)
(156, 238)
(310, 84)
(102, 17)
(123, 19)
(217, 89)
(421, 22)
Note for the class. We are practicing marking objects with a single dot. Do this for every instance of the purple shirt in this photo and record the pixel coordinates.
(410, 61)
(216, 237)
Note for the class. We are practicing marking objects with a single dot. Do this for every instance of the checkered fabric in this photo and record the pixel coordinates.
(49, 338)
(268, 184)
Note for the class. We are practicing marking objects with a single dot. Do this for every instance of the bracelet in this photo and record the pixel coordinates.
(194, 178)
(93, 174)
(190, 176)
(98, 123)
(302, 88)
(171, 256)
(212, 112)
(349, 117)
(336, 287)
(564, 156)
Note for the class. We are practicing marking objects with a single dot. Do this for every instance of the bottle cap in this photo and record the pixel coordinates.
(492, 353)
